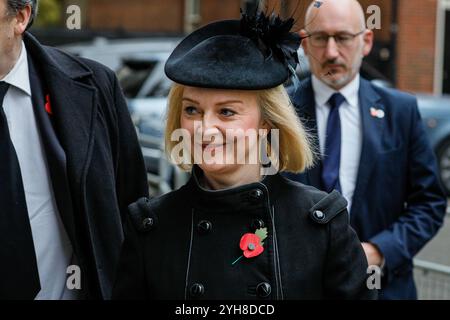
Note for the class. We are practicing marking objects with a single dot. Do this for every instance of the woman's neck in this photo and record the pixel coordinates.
(244, 175)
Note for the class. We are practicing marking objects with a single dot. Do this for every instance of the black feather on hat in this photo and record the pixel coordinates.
(256, 52)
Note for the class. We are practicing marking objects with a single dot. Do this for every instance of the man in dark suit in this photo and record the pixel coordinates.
(372, 144)
(70, 166)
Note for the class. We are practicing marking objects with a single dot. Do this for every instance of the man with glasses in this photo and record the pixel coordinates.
(373, 146)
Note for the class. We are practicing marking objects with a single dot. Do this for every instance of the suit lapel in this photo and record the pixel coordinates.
(305, 106)
(74, 107)
(55, 155)
(372, 130)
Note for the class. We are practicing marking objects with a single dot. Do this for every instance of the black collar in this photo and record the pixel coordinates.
(251, 196)
(54, 59)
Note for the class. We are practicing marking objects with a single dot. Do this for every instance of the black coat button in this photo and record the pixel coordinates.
(204, 227)
(258, 224)
(147, 223)
(256, 194)
(263, 290)
(197, 290)
(319, 214)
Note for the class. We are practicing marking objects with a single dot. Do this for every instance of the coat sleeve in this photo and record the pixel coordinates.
(425, 203)
(345, 274)
(130, 281)
(131, 173)
(131, 185)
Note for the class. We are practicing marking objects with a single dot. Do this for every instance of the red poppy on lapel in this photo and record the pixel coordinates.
(48, 107)
(252, 244)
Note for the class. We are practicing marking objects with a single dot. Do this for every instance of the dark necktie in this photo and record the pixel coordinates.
(332, 156)
(19, 278)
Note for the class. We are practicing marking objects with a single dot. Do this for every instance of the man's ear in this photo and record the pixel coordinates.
(368, 42)
(303, 35)
(22, 18)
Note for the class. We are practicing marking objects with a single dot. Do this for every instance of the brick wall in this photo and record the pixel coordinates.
(136, 15)
(212, 10)
(416, 45)
(162, 16)
(416, 26)
(168, 15)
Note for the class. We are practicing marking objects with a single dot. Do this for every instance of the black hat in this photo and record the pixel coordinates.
(256, 52)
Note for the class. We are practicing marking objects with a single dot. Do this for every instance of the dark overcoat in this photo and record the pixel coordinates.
(93, 155)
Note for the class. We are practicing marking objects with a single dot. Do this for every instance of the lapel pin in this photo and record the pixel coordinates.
(377, 113)
(48, 107)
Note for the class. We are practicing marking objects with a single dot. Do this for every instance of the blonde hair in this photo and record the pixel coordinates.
(295, 149)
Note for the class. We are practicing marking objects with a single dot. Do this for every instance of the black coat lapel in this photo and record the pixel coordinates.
(55, 155)
(74, 107)
(372, 130)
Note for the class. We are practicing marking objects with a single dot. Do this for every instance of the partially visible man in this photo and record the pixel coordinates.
(372, 143)
(70, 165)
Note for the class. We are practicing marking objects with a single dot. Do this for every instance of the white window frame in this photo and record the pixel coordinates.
(192, 15)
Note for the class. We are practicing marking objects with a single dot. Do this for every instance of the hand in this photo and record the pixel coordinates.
(373, 254)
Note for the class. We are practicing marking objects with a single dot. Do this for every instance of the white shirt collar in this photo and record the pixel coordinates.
(19, 77)
(323, 92)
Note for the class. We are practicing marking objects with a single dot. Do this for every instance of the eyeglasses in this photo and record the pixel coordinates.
(342, 39)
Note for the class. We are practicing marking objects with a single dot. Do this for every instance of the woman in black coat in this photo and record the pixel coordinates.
(238, 229)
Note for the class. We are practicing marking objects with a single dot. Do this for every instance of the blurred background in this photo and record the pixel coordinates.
(135, 37)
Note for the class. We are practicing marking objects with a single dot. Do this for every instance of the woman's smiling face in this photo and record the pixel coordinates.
(210, 115)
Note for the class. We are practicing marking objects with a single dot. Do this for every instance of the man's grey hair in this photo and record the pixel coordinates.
(15, 5)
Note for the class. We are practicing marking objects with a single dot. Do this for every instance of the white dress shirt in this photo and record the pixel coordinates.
(351, 130)
(52, 246)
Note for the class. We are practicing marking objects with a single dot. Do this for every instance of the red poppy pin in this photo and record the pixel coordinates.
(252, 244)
(48, 107)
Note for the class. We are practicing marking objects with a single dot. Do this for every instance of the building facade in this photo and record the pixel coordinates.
(412, 46)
